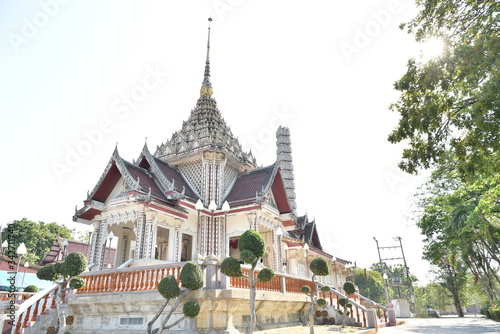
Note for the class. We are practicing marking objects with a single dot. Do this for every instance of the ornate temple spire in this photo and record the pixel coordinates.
(206, 87)
(205, 130)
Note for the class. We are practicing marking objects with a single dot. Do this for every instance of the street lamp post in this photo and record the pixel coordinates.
(65, 245)
(285, 247)
(386, 278)
(26, 265)
(111, 235)
(20, 251)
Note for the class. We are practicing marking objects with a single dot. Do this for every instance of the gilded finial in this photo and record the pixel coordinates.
(206, 87)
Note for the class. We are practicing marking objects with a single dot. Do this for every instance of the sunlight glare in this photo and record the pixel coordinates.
(432, 48)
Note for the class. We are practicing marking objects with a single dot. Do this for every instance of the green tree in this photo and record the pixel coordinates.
(38, 237)
(432, 296)
(252, 248)
(451, 102)
(191, 278)
(318, 267)
(462, 218)
(65, 275)
(370, 284)
(452, 275)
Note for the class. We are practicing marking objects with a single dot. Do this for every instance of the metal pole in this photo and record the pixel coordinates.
(412, 297)
(383, 273)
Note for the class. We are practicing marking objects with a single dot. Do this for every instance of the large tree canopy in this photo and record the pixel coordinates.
(38, 237)
(461, 221)
(452, 102)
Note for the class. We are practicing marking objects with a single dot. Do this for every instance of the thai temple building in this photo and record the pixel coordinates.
(190, 199)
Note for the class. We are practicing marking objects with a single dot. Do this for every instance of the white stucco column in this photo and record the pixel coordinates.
(147, 240)
(139, 232)
(101, 243)
(94, 242)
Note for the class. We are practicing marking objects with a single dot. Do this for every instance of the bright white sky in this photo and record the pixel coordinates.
(324, 68)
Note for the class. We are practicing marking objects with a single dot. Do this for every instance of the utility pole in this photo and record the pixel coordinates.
(384, 275)
(407, 272)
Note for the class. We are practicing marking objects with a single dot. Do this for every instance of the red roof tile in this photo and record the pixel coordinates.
(173, 174)
(249, 184)
(145, 181)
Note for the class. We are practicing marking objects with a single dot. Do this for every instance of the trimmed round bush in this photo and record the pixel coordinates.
(252, 241)
(266, 274)
(325, 288)
(57, 267)
(343, 302)
(247, 256)
(305, 289)
(168, 287)
(191, 309)
(48, 273)
(191, 276)
(231, 267)
(349, 288)
(77, 283)
(32, 288)
(321, 302)
(74, 264)
(319, 267)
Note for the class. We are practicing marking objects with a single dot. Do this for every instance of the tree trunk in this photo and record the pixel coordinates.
(61, 315)
(311, 314)
(150, 324)
(458, 304)
(311, 307)
(253, 292)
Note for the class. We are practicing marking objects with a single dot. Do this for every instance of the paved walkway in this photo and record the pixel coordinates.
(445, 325)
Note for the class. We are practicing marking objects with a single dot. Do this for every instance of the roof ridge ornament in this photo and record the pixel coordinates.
(206, 87)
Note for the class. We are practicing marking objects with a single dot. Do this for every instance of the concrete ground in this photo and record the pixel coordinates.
(445, 325)
(318, 329)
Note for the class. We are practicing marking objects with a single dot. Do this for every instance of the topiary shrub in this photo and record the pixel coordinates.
(343, 302)
(247, 256)
(231, 267)
(168, 287)
(319, 267)
(74, 264)
(191, 276)
(349, 288)
(191, 309)
(32, 288)
(321, 302)
(265, 275)
(305, 289)
(252, 241)
(325, 288)
(77, 283)
(48, 273)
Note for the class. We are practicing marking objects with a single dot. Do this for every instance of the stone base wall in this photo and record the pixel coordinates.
(222, 311)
